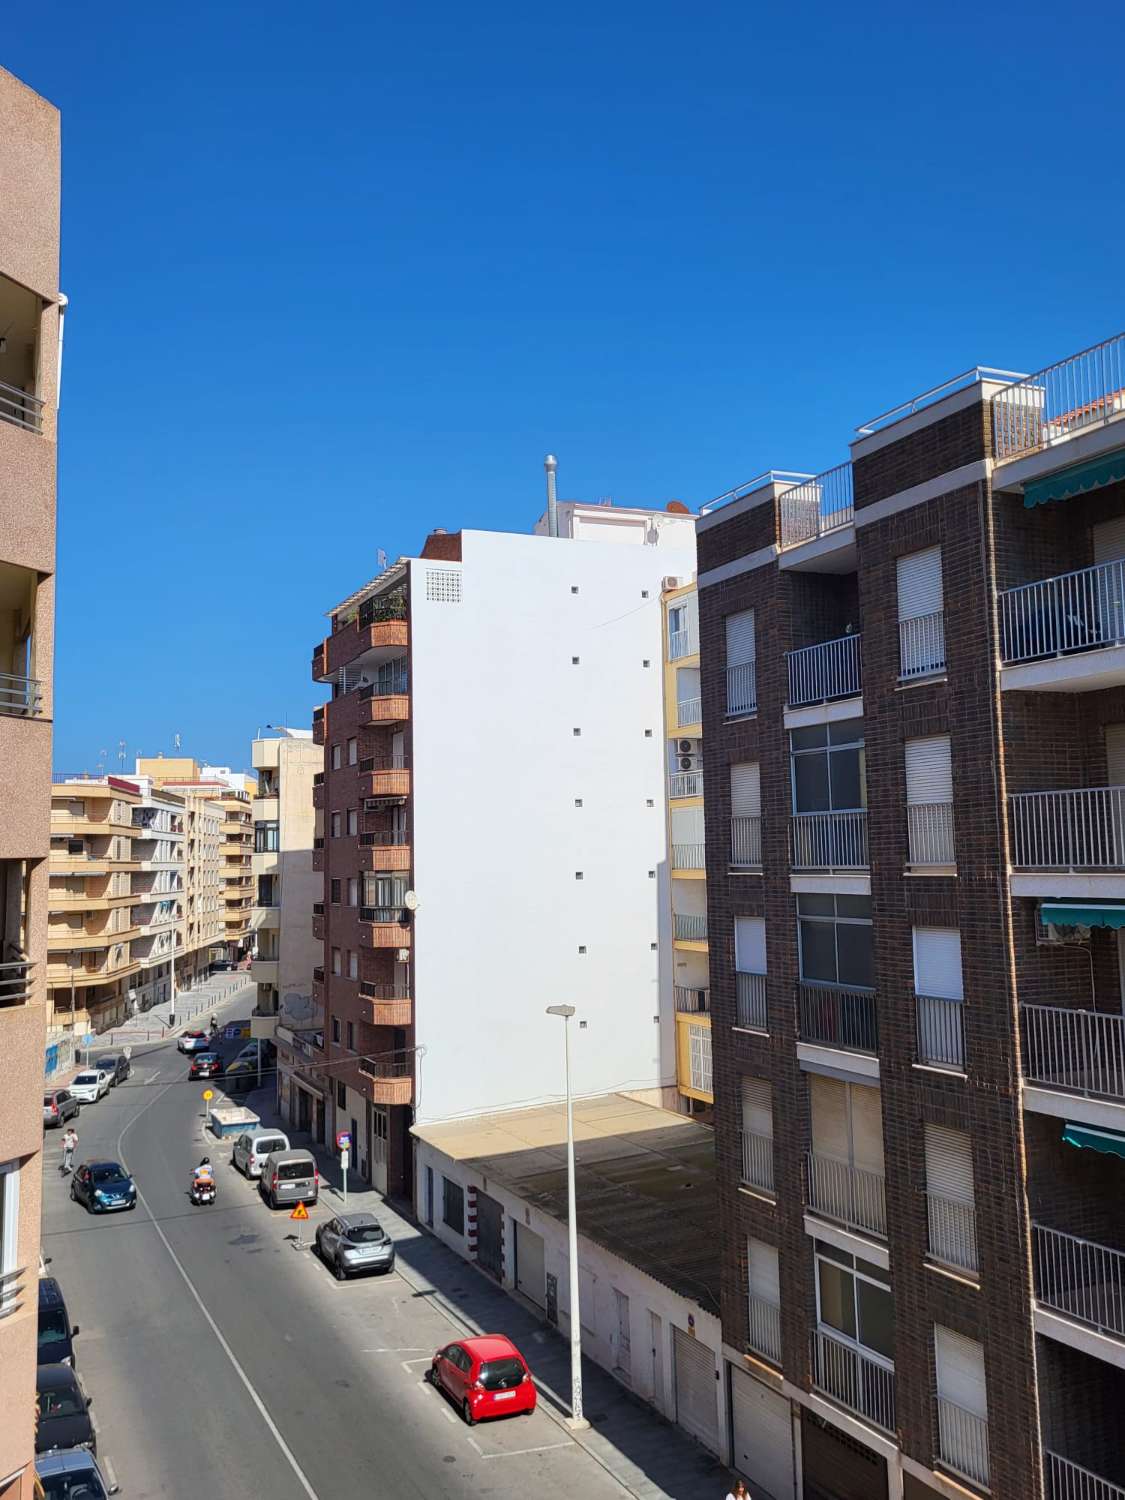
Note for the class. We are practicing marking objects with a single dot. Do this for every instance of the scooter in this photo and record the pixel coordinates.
(202, 1192)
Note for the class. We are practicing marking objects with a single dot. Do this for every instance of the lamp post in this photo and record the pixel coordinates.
(576, 1420)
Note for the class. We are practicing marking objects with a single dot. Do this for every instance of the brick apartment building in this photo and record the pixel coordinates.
(913, 683)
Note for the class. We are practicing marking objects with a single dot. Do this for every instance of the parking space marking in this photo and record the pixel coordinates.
(520, 1452)
(476, 1446)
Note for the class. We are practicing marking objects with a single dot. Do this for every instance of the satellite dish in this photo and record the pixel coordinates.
(410, 901)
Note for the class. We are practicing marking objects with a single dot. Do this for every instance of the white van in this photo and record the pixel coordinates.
(250, 1150)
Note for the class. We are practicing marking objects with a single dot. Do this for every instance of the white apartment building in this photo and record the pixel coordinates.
(159, 852)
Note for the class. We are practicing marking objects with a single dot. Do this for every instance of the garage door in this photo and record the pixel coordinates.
(490, 1235)
(763, 1437)
(697, 1406)
(530, 1279)
(836, 1466)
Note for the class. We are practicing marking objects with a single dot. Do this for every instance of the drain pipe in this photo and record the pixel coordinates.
(551, 464)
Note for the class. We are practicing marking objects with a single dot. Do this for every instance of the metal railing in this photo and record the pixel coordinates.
(689, 927)
(941, 1033)
(1080, 1051)
(830, 840)
(1078, 392)
(391, 914)
(1070, 1481)
(830, 669)
(689, 711)
(22, 696)
(382, 763)
(962, 1441)
(742, 689)
(929, 829)
(318, 974)
(682, 643)
(862, 1383)
(1080, 829)
(21, 407)
(952, 1231)
(382, 607)
(685, 784)
(746, 843)
(1071, 613)
(378, 989)
(391, 686)
(833, 1015)
(697, 1001)
(757, 1160)
(817, 506)
(386, 1067)
(750, 1001)
(689, 856)
(921, 645)
(385, 838)
(1080, 1279)
(318, 908)
(16, 981)
(764, 1330)
(850, 1195)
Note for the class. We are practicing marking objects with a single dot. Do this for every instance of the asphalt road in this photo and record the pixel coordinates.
(222, 1361)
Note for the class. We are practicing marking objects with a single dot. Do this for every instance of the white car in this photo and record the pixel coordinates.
(90, 1086)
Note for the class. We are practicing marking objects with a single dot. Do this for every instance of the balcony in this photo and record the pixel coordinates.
(921, 646)
(1084, 391)
(1070, 1481)
(952, 1232)
(385, 850)
(832, 1015)
(20, 696)
(318, 724)
(318, 926)
(745, 843)
(830, 840)
(764, 1330)
(263, 970)
(685, 784)
(383, 927)
(750, 1002)
(1065, 634)
(16, 981)
(360, 644)
(691, 1001)
(823, 673)
(682, 643)
(21, 408)
(386, 1004)
(1074, 830)
(742, 690)
(384, 777)
(689, 927)
(384, 704)
(757, 1160)
(847, 1195)
(861, 1382)
(820, 507)
(1076, 1051)
(1082, 1281)
(689, 856)
(318, 974)
(962, 1441)
(689, 711)
(941, 1034)
(391, 1080)
(929, 830)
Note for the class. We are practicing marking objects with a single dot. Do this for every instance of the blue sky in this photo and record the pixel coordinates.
(342, 273)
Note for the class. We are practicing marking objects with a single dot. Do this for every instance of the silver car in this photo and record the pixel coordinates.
(351, 1243)
(250, 1150)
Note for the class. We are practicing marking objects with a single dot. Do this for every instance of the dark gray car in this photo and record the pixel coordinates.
(352, 1243)
(116, 1064)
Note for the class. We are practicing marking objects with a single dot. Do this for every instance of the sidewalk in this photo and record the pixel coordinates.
(649, 1456)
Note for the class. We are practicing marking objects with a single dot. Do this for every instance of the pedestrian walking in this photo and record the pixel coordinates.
(69, 1147)
(740, 1492)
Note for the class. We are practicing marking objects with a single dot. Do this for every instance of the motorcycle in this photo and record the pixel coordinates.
(202, 1192)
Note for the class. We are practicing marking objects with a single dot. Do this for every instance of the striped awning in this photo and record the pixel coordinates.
(1077, 480)
(1109, 1142)
(1082, 914)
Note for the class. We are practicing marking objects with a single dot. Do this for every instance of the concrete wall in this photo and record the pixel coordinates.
(298, 763)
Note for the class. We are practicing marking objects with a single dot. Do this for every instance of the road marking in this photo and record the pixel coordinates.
(274, 1430)
(520, 1452)
(447, 1414)
(406, 1363)
(155, 1076)
(474, 1444)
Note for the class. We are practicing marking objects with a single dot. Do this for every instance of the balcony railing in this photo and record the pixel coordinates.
(816, 506)
(21, 696)
(929, 827)
(1079, 1051)
(685, 784)
(318, 780)
(1073, 613)
(941, 1034)
(962, 1441)
(390, 914)
(1070, 1481)
(385, 838)
(689, 927)
(764, 1332)
(921, 645)
(746, 843)
(831, 1015)
(1080, 1279)
(750, 1002)
(695, 1001)
(1082, 829)
(1079, 392)
(392, 686)
(682, 643)
(318, 908)
(849, 1195)
(318, 843)
(830, 840)
(757, 1160)
(689, 856)
(742, 689)
(20, 407)
(372, 989)
(953, 1232)
(861, 1382)
(318, 974)
(16, 981)
(371, 763)
(689, 711)
(382, 607)
(817, 674)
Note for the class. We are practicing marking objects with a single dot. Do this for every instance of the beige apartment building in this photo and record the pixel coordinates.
(30, 322)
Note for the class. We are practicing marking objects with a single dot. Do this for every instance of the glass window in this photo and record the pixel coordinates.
(854, 1298)
(837, 1298)
(453, 1205)
(265, 838)
(335, 825)
(353, 751)
(828, 767)
(335, 757)
(335, 892)
(353, 820)
(353, 890)
(834, 936)
(876, 1317)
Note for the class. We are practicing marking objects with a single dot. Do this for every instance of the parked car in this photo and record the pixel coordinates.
(59, 1105)
(485, 1377)
(289, 1177)
(205, 1065)
(193, 1041)
(116, 1064)
(352, 1243)
(56, 1332)
(72, 1474)
(240, 1075)
(249, 1053)
(64, 1411)
(103, 1187)
(90, 1085)
(250, 1151)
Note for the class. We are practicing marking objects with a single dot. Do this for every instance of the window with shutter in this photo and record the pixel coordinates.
(1109, 541)
(742, 688)
(687, 825)
(920, 613)
(740, 638)
(829, 1102)
(746, 790)
(866, 1127)
(950, 1197)
(1115, 754)
(959, 1365)
(750, 945)
(762, 1272)
(937, 962)
(929, 773)
(757, 1106)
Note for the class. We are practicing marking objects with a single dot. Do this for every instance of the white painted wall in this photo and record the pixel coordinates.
(497, 838)
(298, 762)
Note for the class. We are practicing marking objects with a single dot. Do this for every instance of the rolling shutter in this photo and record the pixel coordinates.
(696, 1389)
(762, 1433)
(740, 638)
(937, 963)
(949, 1164)
(757, 1106)
(919, 584)
(530, 1263)
(867, 1127)
(746, 790)
(687, 825)
(829, 1100)
(960, 1370)
(1115, 754)
(1109, 540)
(762, 1273)
(750, 945)
(929, 774)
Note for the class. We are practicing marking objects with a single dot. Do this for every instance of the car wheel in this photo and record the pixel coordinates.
(73, 1194)
(273, 1202)
(467, 1413)
(339, 1272)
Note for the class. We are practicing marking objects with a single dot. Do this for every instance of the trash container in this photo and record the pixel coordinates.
(172, 1019)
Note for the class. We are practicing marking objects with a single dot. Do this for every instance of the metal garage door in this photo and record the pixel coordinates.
(490, 1235)
(697, 1406)
(763, 1436)
(530, 1279)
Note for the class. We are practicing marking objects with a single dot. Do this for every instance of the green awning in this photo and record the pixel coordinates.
(1059, 914)
(1106, 1141)
(1076, 480)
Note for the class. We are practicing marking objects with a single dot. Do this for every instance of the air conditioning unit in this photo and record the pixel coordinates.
(402, 955)
(1059, 935)
(686, 747)
(690, 762)
(671, 582)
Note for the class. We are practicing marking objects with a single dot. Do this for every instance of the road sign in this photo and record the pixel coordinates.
(343, 1140)
(208, 1095)
(300, 1212)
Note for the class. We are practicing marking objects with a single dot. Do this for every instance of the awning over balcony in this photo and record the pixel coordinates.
(1063, 914)
(1076, 480)
(1109, 1142)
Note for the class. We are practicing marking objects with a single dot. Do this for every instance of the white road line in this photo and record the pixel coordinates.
(155, 1076)
(519, 1452)
(474, 1444)
(447, 1414)
(274, 1430)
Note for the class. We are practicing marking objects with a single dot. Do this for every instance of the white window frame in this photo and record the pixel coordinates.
(9, 1233)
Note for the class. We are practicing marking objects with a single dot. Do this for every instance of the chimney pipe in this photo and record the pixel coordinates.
(551, 464)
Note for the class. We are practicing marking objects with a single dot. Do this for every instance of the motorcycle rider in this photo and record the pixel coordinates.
(202, 1175)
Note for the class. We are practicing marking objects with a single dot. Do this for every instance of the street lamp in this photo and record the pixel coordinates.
(576, 1421)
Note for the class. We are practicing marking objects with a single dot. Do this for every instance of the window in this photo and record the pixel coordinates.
(683, 628)
(341, 1089)
(9, 1235)
(746, 815)
(750, 972)
(353, 965)
(334, 888)
(834, 940)
(764, 1299)
(353, 751)
(950, 1197)
(265, 838)
(391, 677)
(827, 766)
(757, 1133)
(939, 992)
(336, 1032)
(853, 1298)
(846, 1171)
(384, 890)
(336, 961)
(921, 618)
(353, 821)
(353, 890)
(742, 685)
(929, 800)
(336, 758)
(699, 1058)
(453, 1205)
(962, 1403)
(351, 1036)
(335, 825)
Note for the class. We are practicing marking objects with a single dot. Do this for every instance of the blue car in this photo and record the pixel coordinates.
(103, 1186)
(73, 1472)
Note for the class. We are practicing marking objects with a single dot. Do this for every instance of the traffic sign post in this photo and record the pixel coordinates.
(301, 1214)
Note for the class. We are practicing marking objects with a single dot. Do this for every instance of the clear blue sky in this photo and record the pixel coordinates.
(340, 273)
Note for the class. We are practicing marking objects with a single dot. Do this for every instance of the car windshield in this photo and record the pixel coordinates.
(90, 1077)
(496, 1374)
(365, 1234)
(106, 1063)
(64, 1403)
(264, 1148)
(82, 1485)
(52, 1326)
(289, 1171)
(108, 1172)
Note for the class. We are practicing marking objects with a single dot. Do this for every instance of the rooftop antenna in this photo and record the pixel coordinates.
(551, 464)
(121, 754)
(176, 743)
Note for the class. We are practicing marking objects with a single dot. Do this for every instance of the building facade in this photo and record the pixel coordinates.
(916, 660)
(30, 316)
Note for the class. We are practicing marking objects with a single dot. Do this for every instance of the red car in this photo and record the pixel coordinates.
(486, 1377)
(205, 1065)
